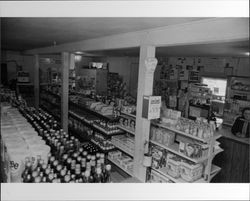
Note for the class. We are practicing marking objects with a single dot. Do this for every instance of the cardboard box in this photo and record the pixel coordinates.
(151, 107)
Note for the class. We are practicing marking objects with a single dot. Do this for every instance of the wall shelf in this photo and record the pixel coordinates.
(118, 165)
(175, 149)
(127, 130)
(216, 136)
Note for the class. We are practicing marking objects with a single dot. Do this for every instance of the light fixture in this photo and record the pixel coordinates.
(247, 53)
(78, 58)
(78, 52)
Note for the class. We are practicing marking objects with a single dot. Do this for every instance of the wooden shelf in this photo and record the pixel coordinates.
(214, 171)
(51, 93)
(124, 114)
(106, 133)
(175, 149)
(53, 104)
(183, 133)
(124, 150)
(92, 126)
(93, 112)
(127, 130)
(176, 180)
(104, 151)
(217, 151)
(118, 165)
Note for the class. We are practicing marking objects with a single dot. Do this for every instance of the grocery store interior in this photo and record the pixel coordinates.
(125, 100)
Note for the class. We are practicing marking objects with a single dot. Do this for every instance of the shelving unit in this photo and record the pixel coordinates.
(118, 165)
(124, 150)
(175, 150)
(124, 114)
(210, 170)
(126, 129)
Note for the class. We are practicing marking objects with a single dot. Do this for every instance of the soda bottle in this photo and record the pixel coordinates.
(27, 179)
(98, 178)
(50, 177)
(107, 174)
(66, 178)
(38, 179)
(33, 176)
(87, 178)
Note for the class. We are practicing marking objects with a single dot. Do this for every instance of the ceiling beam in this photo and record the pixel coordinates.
(197, 32)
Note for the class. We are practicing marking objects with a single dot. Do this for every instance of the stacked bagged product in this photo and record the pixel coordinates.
(27, 150)
(21, 142)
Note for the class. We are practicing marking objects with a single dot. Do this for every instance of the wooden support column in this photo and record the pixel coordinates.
(65, 90)
(147, 65)
(36, 81)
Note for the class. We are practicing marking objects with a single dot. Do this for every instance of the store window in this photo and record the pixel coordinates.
(217, 85)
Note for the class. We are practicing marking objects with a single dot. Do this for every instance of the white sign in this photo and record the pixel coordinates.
(151, 108)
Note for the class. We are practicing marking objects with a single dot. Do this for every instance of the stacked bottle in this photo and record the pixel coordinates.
(69, 161)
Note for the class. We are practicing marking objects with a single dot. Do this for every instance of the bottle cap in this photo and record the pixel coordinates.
(55, 163)
(65, 156)
(59, 167)
(34, 174)
(67, 178)
(98, 170)
(44, 166)
(51, 176)
(63, 172)
(87, 173)
(44, 179)
(38, 179)
(108, 167)
(47, 171)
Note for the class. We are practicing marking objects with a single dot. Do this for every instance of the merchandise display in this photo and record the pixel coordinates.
(45, 153)
(124, 143)
(174, 167)
(126, 123)
(101, 142)
(121, 160)
(180, 147)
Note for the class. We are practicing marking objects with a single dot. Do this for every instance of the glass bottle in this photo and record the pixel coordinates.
(98, 178)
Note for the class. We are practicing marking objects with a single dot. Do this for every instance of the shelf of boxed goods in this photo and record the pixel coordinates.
(126, 129)
(215, 137)
(128, 152)
(214, 170)
(119, 166)
(106, 117)
(175, 150)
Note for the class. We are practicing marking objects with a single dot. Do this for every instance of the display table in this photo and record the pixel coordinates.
(234, 161)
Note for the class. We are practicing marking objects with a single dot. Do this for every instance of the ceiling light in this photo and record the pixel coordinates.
(78, 52)
(78, 58)
(247, 53)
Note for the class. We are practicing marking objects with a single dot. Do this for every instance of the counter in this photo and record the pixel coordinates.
(225, 131)
(234, 160)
